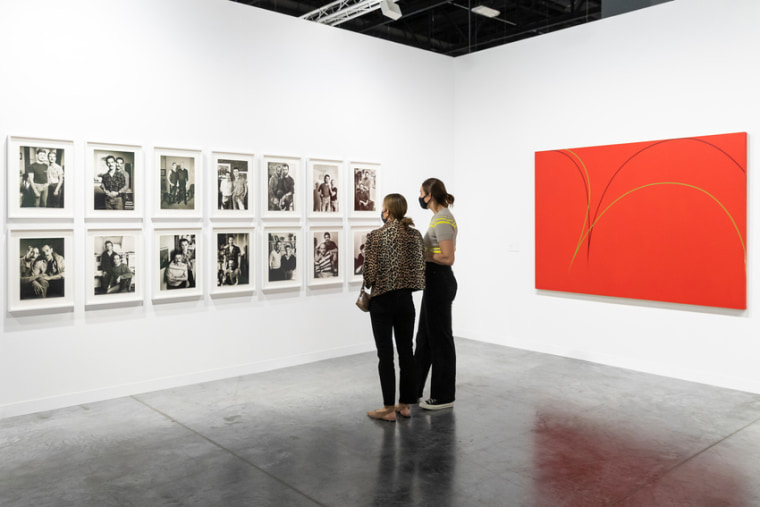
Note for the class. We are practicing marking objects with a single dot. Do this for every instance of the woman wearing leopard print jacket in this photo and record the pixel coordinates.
(394, 267)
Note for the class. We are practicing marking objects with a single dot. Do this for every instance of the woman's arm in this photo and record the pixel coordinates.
(446, 256)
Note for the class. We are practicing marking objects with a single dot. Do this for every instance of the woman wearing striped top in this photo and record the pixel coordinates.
(435, 339)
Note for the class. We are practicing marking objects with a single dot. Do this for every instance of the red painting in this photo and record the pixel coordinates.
(659, 220)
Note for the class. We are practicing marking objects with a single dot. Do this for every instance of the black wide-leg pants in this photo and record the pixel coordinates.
(435, 338)
(392, 314)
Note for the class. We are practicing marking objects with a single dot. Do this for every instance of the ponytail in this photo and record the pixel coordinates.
(406, 222)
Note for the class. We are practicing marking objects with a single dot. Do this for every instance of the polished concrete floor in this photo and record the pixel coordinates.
(527, 429)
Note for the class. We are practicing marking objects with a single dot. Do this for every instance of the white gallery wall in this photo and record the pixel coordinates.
(683, 68)
(206, 75)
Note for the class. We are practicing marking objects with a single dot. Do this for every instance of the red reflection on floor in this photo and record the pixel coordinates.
(582, 462)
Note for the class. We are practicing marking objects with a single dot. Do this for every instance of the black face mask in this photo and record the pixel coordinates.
(384, 219)
(423, 204)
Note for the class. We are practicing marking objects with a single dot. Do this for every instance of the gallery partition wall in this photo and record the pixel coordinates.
(670, 71)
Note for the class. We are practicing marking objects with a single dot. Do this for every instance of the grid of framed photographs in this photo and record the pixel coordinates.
(274, 222)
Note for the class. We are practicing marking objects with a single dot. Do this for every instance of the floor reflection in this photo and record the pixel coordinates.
(582, 461)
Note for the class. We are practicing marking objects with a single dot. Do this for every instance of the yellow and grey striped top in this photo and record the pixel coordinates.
(442, 227)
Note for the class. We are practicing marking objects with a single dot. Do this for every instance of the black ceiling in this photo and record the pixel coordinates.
(449, 27)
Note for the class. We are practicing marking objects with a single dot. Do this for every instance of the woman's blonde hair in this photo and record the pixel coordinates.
(395, 205)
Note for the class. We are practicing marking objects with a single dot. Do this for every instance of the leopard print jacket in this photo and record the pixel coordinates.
(394, 259)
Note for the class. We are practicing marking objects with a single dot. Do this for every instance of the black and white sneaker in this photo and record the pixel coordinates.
(432, 404)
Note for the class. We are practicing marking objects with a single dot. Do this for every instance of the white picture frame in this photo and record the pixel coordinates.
(39, 277)
(111, 250)
(364, 180)
(324, 197)
(281, 197)
(24, 196)
(225, 196)
(130, 199)
(273, 274)
(170, 199)
(355, 261)
(325, 248)
(184, 279)
(238, 278)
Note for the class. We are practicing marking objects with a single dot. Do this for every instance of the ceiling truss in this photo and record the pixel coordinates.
(446, 27)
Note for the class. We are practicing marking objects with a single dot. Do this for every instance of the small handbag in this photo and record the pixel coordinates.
(363, 300)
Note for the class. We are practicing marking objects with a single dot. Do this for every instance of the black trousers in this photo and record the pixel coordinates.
(392, 314)
(435, 339)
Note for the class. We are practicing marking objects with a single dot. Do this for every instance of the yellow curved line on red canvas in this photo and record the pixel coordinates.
(736, 227)
(584, 232)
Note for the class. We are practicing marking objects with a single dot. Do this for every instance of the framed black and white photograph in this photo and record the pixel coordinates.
(325, 198)
(115, 267)
(177, 263)
(40, 269)
(232, 192)
(234, 260)
(283, 257)
(282, 189)
(356, 262)
(324, 256)
(366, 189)
(40, 178)
(178, 190)
(114, 181)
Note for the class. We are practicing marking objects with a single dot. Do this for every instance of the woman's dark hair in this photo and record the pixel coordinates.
(396, 206)
(436, 188)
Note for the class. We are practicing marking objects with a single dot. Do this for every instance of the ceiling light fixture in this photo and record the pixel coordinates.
(485, 11)
(341, 11)
(390, 9)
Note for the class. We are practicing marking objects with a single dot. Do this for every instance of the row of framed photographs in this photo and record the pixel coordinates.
(182, 263)
(118, 185)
